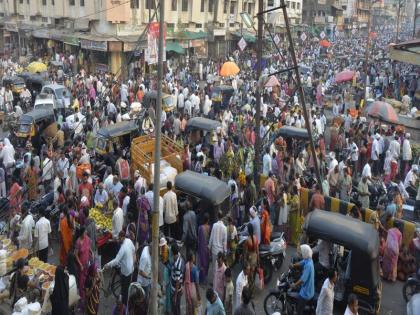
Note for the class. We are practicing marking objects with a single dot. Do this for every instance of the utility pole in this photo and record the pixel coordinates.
(156, 179)
(257, 147)
(367, 52)
(301, 92)
(416, 13)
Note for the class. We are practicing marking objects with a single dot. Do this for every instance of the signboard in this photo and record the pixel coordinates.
(242, 44)
(200, 48)
(277, 39)
(115, 46)
(152, 50)
(101, 67)
(74, 41)
(303, 37)
(322, 35)
(93, 45)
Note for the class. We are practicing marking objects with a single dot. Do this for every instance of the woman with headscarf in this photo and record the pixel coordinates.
(391, 253)
(92, 290)
(7, 154)
(60, 295)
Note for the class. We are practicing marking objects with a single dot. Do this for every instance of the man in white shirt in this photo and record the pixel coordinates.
(47, 172)
(42, 231)
(139, 182)
(125, 260)
(325, 302)
(181, 102)
(101, 196)
(170, 210)
(241, 283)
(266, 162)
(367, 170)
(411, 181)
(63, 168)
(395, 148)
(25, 233)
(145, 270)
(407, 154)
(117, 219)
(149, 195)
(352, 305)
(218, 239)
(375, 154)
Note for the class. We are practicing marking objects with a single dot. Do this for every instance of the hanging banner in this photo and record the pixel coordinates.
(93, 45)
(153, 43)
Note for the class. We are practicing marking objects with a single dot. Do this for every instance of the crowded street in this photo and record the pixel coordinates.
(278, 175)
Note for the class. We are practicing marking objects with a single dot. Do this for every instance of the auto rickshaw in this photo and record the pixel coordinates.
(212, 194)
(220, 96)
(38, 125)
(289, 138)
(150, 98)
(199, 127)
(116, 135)
(34, 83)
(16, 84)
(358, 264)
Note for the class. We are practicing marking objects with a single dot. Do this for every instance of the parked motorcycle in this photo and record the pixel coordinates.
(411, 286)
(285, 301)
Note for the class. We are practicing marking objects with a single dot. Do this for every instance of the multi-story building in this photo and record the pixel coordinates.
(327, 14)
(105, 33)
(294, 12)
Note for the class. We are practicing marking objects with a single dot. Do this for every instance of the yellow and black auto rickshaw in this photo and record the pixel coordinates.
(116, 135)
(15, 83)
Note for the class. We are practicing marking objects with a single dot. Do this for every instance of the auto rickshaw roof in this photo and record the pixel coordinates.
(35, 78)
(118, 129)
(292, 132)
(35, 115)
(202, 123)
(202, 186)
(13, 79)
(344, 230)
(222, 88)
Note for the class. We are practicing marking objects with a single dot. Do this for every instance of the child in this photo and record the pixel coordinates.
(228, 298)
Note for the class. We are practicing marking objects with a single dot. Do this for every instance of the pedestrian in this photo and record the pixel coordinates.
(391, 254)
(266, 224)
(189, 229)
(170, 209)
(219, 275)
(325, 302)
(218, 239)
(192, 290)
(177, 279)
(66, 227)
(214, 304)
(229, 292)
(125, 259)
(203, 248)
(83, 256)
(247, 306)
(352, 305)
(42, 234)
(241, 283)
(92, 285)
(145, 271)
(60, 295)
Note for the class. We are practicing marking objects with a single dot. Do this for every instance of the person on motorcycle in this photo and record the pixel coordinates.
(25, 94)
(411, 181)
(306, 280)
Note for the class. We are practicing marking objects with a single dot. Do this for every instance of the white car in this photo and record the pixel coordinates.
(45, 101)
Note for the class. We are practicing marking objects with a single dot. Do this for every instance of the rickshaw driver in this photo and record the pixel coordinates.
(25, 94)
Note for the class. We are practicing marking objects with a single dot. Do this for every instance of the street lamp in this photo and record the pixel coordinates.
(246, 18)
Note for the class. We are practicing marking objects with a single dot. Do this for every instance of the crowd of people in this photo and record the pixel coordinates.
(347, 150)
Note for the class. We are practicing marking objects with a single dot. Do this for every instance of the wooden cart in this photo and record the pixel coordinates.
(143, 155)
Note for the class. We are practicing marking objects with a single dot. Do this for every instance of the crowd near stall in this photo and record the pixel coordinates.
(77, 181)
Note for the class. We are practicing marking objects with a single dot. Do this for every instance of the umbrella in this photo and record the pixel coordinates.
(346, 75)
(272, 81)
(229, 68)
(36, 66)
(383, 111)
(325, 43)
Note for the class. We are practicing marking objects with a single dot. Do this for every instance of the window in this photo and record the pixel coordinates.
(149, 4)
(202, 6)
(44, 2)
(32, 18)
(174, 5)
(225, 4)
(82, 3)
(298, 5)
(270, 3)
(293, 5)
(211, 5)
(71, 2)
(232, 7)
(20, 1)
(198, 25)
(249, 8)
(134, 4)
(44, 19)
(184, 5)
(52, 2)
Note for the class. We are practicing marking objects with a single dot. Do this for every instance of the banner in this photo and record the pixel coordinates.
(153, 43)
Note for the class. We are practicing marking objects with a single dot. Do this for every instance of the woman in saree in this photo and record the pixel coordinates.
(294, 217)
(192, 291)
(143, 218)
(251, 253)
(391, 253)
(31, 179)
(15, 197)
(232, 242)
(203, 248)
(83, 255)
(66, 235)
(92, 290)
(266, 226)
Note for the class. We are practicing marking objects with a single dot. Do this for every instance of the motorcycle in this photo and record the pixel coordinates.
(271, 256)
(411, 286)
(283, 300)
(378, 194)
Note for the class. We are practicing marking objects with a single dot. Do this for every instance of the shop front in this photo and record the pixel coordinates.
(92, 52)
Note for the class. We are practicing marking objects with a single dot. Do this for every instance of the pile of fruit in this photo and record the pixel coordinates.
(102, 221)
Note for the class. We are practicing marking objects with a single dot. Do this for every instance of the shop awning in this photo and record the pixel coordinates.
(249, 37)
(408, 52)
(70, 40)
(175, 47)
(193, 35)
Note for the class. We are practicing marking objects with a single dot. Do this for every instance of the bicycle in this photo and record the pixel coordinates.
(114, 283)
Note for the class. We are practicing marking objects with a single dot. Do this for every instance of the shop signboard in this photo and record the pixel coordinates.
(101, 67)
(200, 48)
(94, 45)
(115, 46)
(11, 27)
(153, 43)
(69, 40)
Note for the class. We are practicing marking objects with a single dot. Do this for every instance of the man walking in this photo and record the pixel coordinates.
(218, 239)
(42, 231)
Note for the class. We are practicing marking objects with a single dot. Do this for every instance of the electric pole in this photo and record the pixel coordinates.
(156, 179)
(257, 147)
